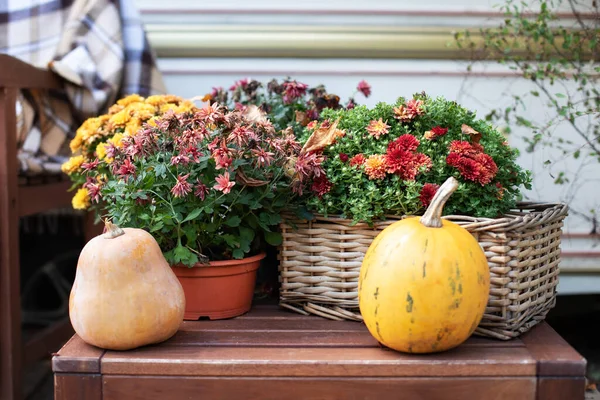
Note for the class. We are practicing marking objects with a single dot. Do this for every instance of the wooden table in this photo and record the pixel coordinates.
(275, 354)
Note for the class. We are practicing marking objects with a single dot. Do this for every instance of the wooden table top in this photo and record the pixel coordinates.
(271, 349)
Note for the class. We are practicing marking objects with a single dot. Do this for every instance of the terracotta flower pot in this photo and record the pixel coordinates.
(223, 289)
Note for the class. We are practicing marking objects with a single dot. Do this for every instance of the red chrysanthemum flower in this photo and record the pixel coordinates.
(364, 88)
(453, 159)
(406, 164)
(378, 128)
(350, 105)
(465, 148)
(436, 131)
(321, 185)
(88, 166)
(312, 124)
(427, 193)
(488, 168)
(357, 160)
(469, 169)
(182, 187)
(406, 142)
(343, 157)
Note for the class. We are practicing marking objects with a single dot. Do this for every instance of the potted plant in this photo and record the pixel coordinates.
(210, 185)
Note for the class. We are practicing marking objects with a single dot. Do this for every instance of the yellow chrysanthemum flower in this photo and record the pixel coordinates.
(132, 128)
(132, 98)
(156, 100)
(75, 143)
(152, 121)
(143, 111)
(81, 200)
(185, 106)
(101, 151)
(72, 164)
(117, 140)
(171, 98)
(166, 107)
(120, 118)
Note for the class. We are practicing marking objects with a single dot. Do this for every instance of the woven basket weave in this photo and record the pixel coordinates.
(319, 265)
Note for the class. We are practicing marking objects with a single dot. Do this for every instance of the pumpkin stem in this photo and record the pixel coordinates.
(112, 230)
(433, 215)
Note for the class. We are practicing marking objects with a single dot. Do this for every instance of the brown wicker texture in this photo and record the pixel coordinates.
(320, 263)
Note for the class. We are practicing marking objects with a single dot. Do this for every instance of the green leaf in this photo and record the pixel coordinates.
(233, 221)
(560, 95)
(194, 214)
(156, 227)
(273, 238)
(238, 254)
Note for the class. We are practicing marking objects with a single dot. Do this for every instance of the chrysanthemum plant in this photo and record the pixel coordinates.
(97, 139)
(391, 159)
(289, 104)
(208, 184)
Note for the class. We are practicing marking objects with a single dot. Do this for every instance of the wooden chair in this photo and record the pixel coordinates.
(18, 199)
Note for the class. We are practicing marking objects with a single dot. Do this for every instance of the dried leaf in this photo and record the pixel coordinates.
(240, 177)
(323, 137)
(255, 114)
(302, 118)
(467, 130)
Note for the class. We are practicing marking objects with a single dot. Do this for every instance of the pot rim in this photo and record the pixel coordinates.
(226, 263)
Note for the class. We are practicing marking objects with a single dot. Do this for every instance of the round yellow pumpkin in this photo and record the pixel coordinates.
(125, 294)
(424, 282)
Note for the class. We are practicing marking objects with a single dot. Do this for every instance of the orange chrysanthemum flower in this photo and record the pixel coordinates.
(378, 128)
(375, 166)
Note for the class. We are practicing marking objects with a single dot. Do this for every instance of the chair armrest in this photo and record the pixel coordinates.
(17, 74)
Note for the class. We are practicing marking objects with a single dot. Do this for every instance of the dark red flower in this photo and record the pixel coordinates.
(88, 166)
(126, 169)
(343, 157)
(427, 193)
(93, 189)
(351, 104)
(488, 168)
(200, 190)
(364, 88)
(293, 90)
(321, 185)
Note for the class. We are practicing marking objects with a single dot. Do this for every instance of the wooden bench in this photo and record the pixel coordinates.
(270, 353)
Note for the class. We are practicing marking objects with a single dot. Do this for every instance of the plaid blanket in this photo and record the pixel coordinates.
(98, 47)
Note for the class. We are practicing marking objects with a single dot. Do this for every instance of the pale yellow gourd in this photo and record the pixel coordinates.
(125, 294)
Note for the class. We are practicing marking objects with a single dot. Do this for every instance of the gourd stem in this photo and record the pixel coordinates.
(433, 215)
(112, 230)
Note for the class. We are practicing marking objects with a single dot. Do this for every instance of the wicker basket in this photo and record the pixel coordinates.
(320, 262)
